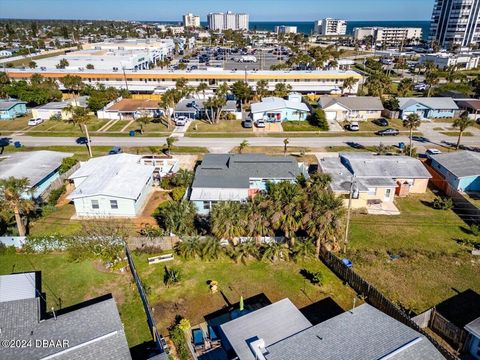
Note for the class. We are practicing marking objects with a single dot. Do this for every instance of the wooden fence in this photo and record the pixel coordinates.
(376, 298)
(58, 183)
(163, 242)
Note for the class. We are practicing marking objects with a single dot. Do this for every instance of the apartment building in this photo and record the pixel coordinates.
(284, 29)
(191, 21)
(228, 21)
(455, 22)
(388, 35)
(330, 27)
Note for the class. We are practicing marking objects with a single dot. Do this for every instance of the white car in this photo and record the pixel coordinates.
(35, 121)
(181, 121)
(431, 152)
(260, 123)
(353, 126)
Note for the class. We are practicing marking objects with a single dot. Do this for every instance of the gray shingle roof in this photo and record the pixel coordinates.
(474, 327)
(358, 103)
(460, 163)
(384, 166)
(92, 332)
(235, 170)
(436, 103)
(33, 165)
(271, 323)
(7, 105)
(362, 334)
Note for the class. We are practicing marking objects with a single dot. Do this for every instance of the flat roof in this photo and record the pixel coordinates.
(18, 286)
(459, 163)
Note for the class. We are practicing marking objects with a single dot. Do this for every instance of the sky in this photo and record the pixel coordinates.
(259, 10)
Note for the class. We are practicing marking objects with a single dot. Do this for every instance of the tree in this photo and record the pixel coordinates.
(242, 91)
(262, 88)
(431, 79)
(176, 217)
(202, 88)
(90, 66)
(348, 84)
(303, 249)
(80, 116)
(169, 142)
(282, 89)
(12, 197)
(319, 119)
(32, 64)
(189, 248)
(243, 145)
(405, 87)
(168, 101)
(462, 123)
(228, 220)
(72, 83)
(285, 146)
(62, 64)
(145, 118)
(243, 251)
(412, 122)
(275, 251)
(211, 249)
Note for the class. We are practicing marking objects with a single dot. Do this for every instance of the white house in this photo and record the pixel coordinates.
(278, 109)
(351, 108)
(112, 186)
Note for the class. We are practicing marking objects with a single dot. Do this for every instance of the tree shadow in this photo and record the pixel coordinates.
(461, 308)
(321, 310)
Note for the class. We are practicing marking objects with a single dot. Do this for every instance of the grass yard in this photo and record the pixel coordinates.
(369, 125)
(192, 299)
(455, 133)
(224, 126)
(58, 222)
(68, 283)
(433, 263)
(15, 125)
(149, 128)
(299, 126)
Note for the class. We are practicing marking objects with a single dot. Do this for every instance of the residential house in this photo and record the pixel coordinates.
(473, 341)
(472, 106)
(10, 110)
(376, 179)
(195, 109)
(280, 331)
(92, 330)
(130, 109)
(56, 109)
(350, 108)
(428, 107)
(460, 169)
(112, 186)
(41, 168)
(278, 109)
(237, 177)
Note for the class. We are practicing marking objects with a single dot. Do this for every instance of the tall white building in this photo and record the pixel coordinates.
(284, 29)
(228, 20)
(387, 35)
(455, 22)
(190, 20)
(330, 26)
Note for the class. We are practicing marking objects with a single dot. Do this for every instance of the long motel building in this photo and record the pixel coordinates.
(158, 81)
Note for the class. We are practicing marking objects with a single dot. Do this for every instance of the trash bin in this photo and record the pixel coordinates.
(347, 262)
(17, 144)
(132, 132)
(401, 145)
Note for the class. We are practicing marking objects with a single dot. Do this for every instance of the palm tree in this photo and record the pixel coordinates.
(258, 215)
(211, 249)
(348, 84)
(80, 116)
(243, 145)
(12, 197)
(431, 78)
(189, 248)
(169, 142)
(143, 120)
(412, 122)
(177, 217)
(404, 87)
(285, 146)
(262, 88)
(275, 251)
(303, 249)
(202, 88)
(243, 251)
(227, 220)
(462, 123)
(282, 89)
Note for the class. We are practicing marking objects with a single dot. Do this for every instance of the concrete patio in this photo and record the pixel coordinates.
(383, 208)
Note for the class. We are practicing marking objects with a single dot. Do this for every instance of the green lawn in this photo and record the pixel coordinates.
(70, 283)
(432, 265)
(193, 300)
(369, 125)
(58, 222)
(455, 133)
(14, 125)
(224, 126)
(299, 126)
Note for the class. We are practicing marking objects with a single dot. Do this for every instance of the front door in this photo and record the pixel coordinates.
(388, 193)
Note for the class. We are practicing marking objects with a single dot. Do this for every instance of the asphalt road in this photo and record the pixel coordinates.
(226, 143)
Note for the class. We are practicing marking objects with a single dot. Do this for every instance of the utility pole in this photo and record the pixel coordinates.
(352, 188)
(125, 77)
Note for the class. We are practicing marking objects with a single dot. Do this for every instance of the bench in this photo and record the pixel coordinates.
(159, 259)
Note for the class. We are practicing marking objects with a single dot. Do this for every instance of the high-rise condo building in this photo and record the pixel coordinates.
(284, 29)
(330, 26)
(388, 35)
(190, 20)
(455, 22)
(228, 20)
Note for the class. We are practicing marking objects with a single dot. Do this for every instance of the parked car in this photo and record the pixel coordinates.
(388, 132)
(431, 152)
(115, 150)
(82, 140)
(248, 123)
(260, 123)
(181, 121)
(35, 121)
(420, 87)
(353, 126)
(381, 122)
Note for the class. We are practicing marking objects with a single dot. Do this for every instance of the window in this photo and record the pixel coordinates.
(95, 204)
(113, 204)
(206, 205)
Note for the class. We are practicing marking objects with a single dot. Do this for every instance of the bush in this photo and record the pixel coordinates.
(166, 182)
(178, 193)
(67, 164)
(475, 230)
(443, 203)
(7, 250)
(171, 276)
(55, 195)
(178, 338)
(318, 119)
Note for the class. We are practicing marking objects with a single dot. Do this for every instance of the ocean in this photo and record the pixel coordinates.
(307, 26)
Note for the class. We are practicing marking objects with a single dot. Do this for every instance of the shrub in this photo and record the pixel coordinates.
(184, 324)
(55, 195)
(67, 164)
(178, 338)
(166, 183)
(178, 193)
(475, 230)
(318, 119)
(443, 203)
(171, 276)
(7, 250)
